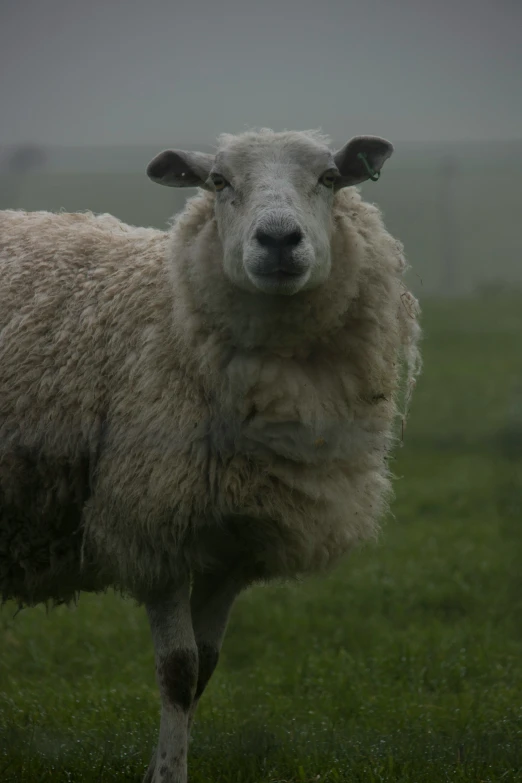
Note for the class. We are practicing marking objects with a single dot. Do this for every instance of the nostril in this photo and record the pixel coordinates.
(279, 241)
(293, 239)
(267, 240)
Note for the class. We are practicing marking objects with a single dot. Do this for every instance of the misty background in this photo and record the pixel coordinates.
(405, 664)
(91, 91)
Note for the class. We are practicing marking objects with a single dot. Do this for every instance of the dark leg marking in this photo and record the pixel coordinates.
(177, 675)
(208, 658)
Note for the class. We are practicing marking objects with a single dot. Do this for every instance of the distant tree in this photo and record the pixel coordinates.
(26, 159)
(21, 162)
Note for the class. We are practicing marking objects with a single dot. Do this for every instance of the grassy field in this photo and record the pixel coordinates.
(405, 664)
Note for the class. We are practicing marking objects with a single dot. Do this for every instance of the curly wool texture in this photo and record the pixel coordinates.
(152, 415)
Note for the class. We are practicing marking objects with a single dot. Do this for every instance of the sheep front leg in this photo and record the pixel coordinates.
(213, 595)
(176, 657)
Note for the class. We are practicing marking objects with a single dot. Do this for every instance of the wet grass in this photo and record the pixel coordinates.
(405, 664)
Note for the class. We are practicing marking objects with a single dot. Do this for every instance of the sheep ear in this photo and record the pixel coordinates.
(361, 158)
(178, 169)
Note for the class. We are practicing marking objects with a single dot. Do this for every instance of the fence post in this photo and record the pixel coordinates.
(448, 226)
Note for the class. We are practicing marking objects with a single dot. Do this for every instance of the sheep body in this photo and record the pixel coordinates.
(152, 415)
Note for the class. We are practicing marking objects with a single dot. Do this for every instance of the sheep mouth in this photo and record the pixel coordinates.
(282, 274)
(280, 281)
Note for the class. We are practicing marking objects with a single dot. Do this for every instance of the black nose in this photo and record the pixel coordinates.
(279, 241)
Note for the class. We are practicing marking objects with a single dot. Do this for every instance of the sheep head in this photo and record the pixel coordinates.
(274, 194)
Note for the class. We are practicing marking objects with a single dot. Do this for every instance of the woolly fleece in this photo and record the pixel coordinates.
(153, 415)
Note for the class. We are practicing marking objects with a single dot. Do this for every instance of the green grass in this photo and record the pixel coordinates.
(405, 664)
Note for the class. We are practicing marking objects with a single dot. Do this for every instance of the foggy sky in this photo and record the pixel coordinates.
(77, 72)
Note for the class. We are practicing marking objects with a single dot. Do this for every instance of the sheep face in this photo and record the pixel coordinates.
(273, 210)
(274, 194)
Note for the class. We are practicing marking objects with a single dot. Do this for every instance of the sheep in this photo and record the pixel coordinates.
(185, 413)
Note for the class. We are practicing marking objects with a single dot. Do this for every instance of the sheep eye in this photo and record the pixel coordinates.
(219, 182)
(328, 179)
